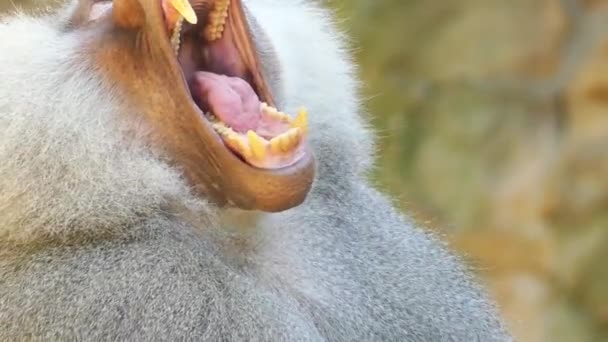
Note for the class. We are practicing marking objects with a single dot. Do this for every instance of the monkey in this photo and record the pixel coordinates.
(197, 170)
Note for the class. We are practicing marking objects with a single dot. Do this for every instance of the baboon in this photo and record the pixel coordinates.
(174, 170)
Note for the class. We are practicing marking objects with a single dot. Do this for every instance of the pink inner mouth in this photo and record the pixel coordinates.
(231, 99)
(234, 102)
(225, 90)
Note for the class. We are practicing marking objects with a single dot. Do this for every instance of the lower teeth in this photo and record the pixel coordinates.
(251, 144)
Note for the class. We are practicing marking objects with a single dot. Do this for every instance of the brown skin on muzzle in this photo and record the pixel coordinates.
(131, 48)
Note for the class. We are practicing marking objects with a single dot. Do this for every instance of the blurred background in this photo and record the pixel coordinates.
(493, 124)
(493, 117)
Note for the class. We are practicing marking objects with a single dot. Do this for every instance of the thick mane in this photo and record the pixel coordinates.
(138, 256)
(72, 161)
(76, 162)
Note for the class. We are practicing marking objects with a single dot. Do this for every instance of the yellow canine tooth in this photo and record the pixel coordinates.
(184, 8)
(257, 144)
(275, 145)
(301, 121)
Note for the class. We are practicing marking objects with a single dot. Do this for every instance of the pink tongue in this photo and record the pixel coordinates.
(231, 99)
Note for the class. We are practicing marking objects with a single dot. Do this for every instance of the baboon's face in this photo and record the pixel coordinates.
(193, 70)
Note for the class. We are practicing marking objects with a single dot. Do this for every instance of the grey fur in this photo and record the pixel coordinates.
(101, 240)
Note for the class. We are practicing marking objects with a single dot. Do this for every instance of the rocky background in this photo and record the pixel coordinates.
(493, 118)
(494, 123)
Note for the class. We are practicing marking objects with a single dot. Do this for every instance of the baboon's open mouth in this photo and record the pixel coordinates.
(192, 68)
(212, 42)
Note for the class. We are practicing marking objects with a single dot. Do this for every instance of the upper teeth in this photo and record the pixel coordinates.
(214, 29)
(217, 20)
